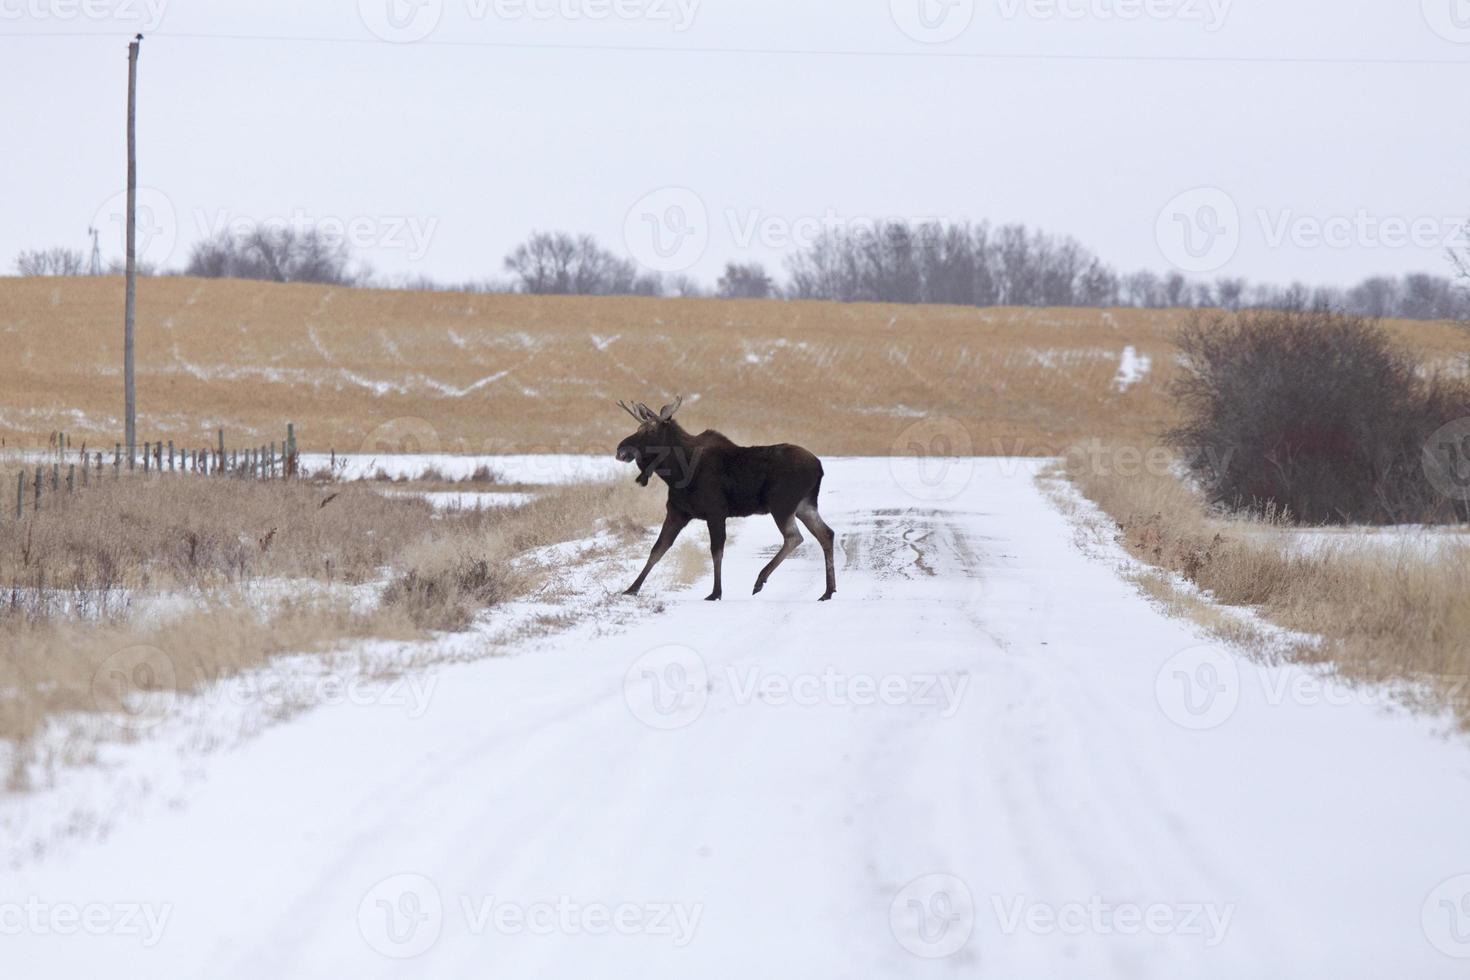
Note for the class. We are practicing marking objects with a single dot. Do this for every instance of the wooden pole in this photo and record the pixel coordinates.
(20, 492)
(130, 301)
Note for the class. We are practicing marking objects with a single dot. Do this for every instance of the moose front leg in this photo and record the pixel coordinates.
(716, 552)
(673, 524)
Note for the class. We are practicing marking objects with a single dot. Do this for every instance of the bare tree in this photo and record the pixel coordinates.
(50, 262)
(1229, 292)
(557, 263)
(276, 254)
(745, 281)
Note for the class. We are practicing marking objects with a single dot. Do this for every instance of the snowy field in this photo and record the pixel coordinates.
(988, 757)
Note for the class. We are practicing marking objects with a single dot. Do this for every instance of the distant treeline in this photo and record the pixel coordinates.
(891, 262)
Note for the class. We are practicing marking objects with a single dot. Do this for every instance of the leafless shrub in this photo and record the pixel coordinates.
(1318, 414)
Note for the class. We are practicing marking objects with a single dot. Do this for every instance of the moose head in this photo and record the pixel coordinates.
(657, 444)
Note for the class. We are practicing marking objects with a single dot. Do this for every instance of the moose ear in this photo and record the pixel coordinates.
(667, 412)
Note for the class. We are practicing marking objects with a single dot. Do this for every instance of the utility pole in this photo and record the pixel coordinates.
(130, 302)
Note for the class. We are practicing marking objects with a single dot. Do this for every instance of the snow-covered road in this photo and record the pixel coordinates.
(988, 757)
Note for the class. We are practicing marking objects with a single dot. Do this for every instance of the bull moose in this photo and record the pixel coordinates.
(712, 479)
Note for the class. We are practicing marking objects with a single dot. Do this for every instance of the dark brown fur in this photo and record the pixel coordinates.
(711, 479)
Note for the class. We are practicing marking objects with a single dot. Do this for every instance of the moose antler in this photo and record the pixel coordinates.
(643, 413)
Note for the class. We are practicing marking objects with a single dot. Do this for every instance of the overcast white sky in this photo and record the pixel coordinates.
(754, 122)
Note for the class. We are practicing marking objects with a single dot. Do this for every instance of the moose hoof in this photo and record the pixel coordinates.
(712, 597)
(826, 596)
(758, 587)
(632, 591)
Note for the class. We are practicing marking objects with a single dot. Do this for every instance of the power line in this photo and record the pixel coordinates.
(976, 56)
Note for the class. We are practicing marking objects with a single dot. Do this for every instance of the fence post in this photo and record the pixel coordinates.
(37, 505)
(71, 477)
(20, 492)
(170, 455)
(147, 454)
(86, 471)
(290, 450)
(55, 477)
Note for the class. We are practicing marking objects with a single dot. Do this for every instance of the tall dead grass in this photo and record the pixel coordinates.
(205, 541)
(399, 371)
(1384, 611)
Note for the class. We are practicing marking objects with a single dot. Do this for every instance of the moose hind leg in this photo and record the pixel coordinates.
(808, 515)
(787, 524)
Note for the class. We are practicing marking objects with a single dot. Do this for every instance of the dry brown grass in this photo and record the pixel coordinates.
(203, 538)
(1384, 611)
(189, 532)
(506, 373)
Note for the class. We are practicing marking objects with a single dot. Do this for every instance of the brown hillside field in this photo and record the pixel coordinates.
(509, 373)
(383, 370)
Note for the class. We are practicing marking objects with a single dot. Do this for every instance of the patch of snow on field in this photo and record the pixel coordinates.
(1133, 367)
(454, 392)
(535, 469)
(1410, 541)
(466, 500)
